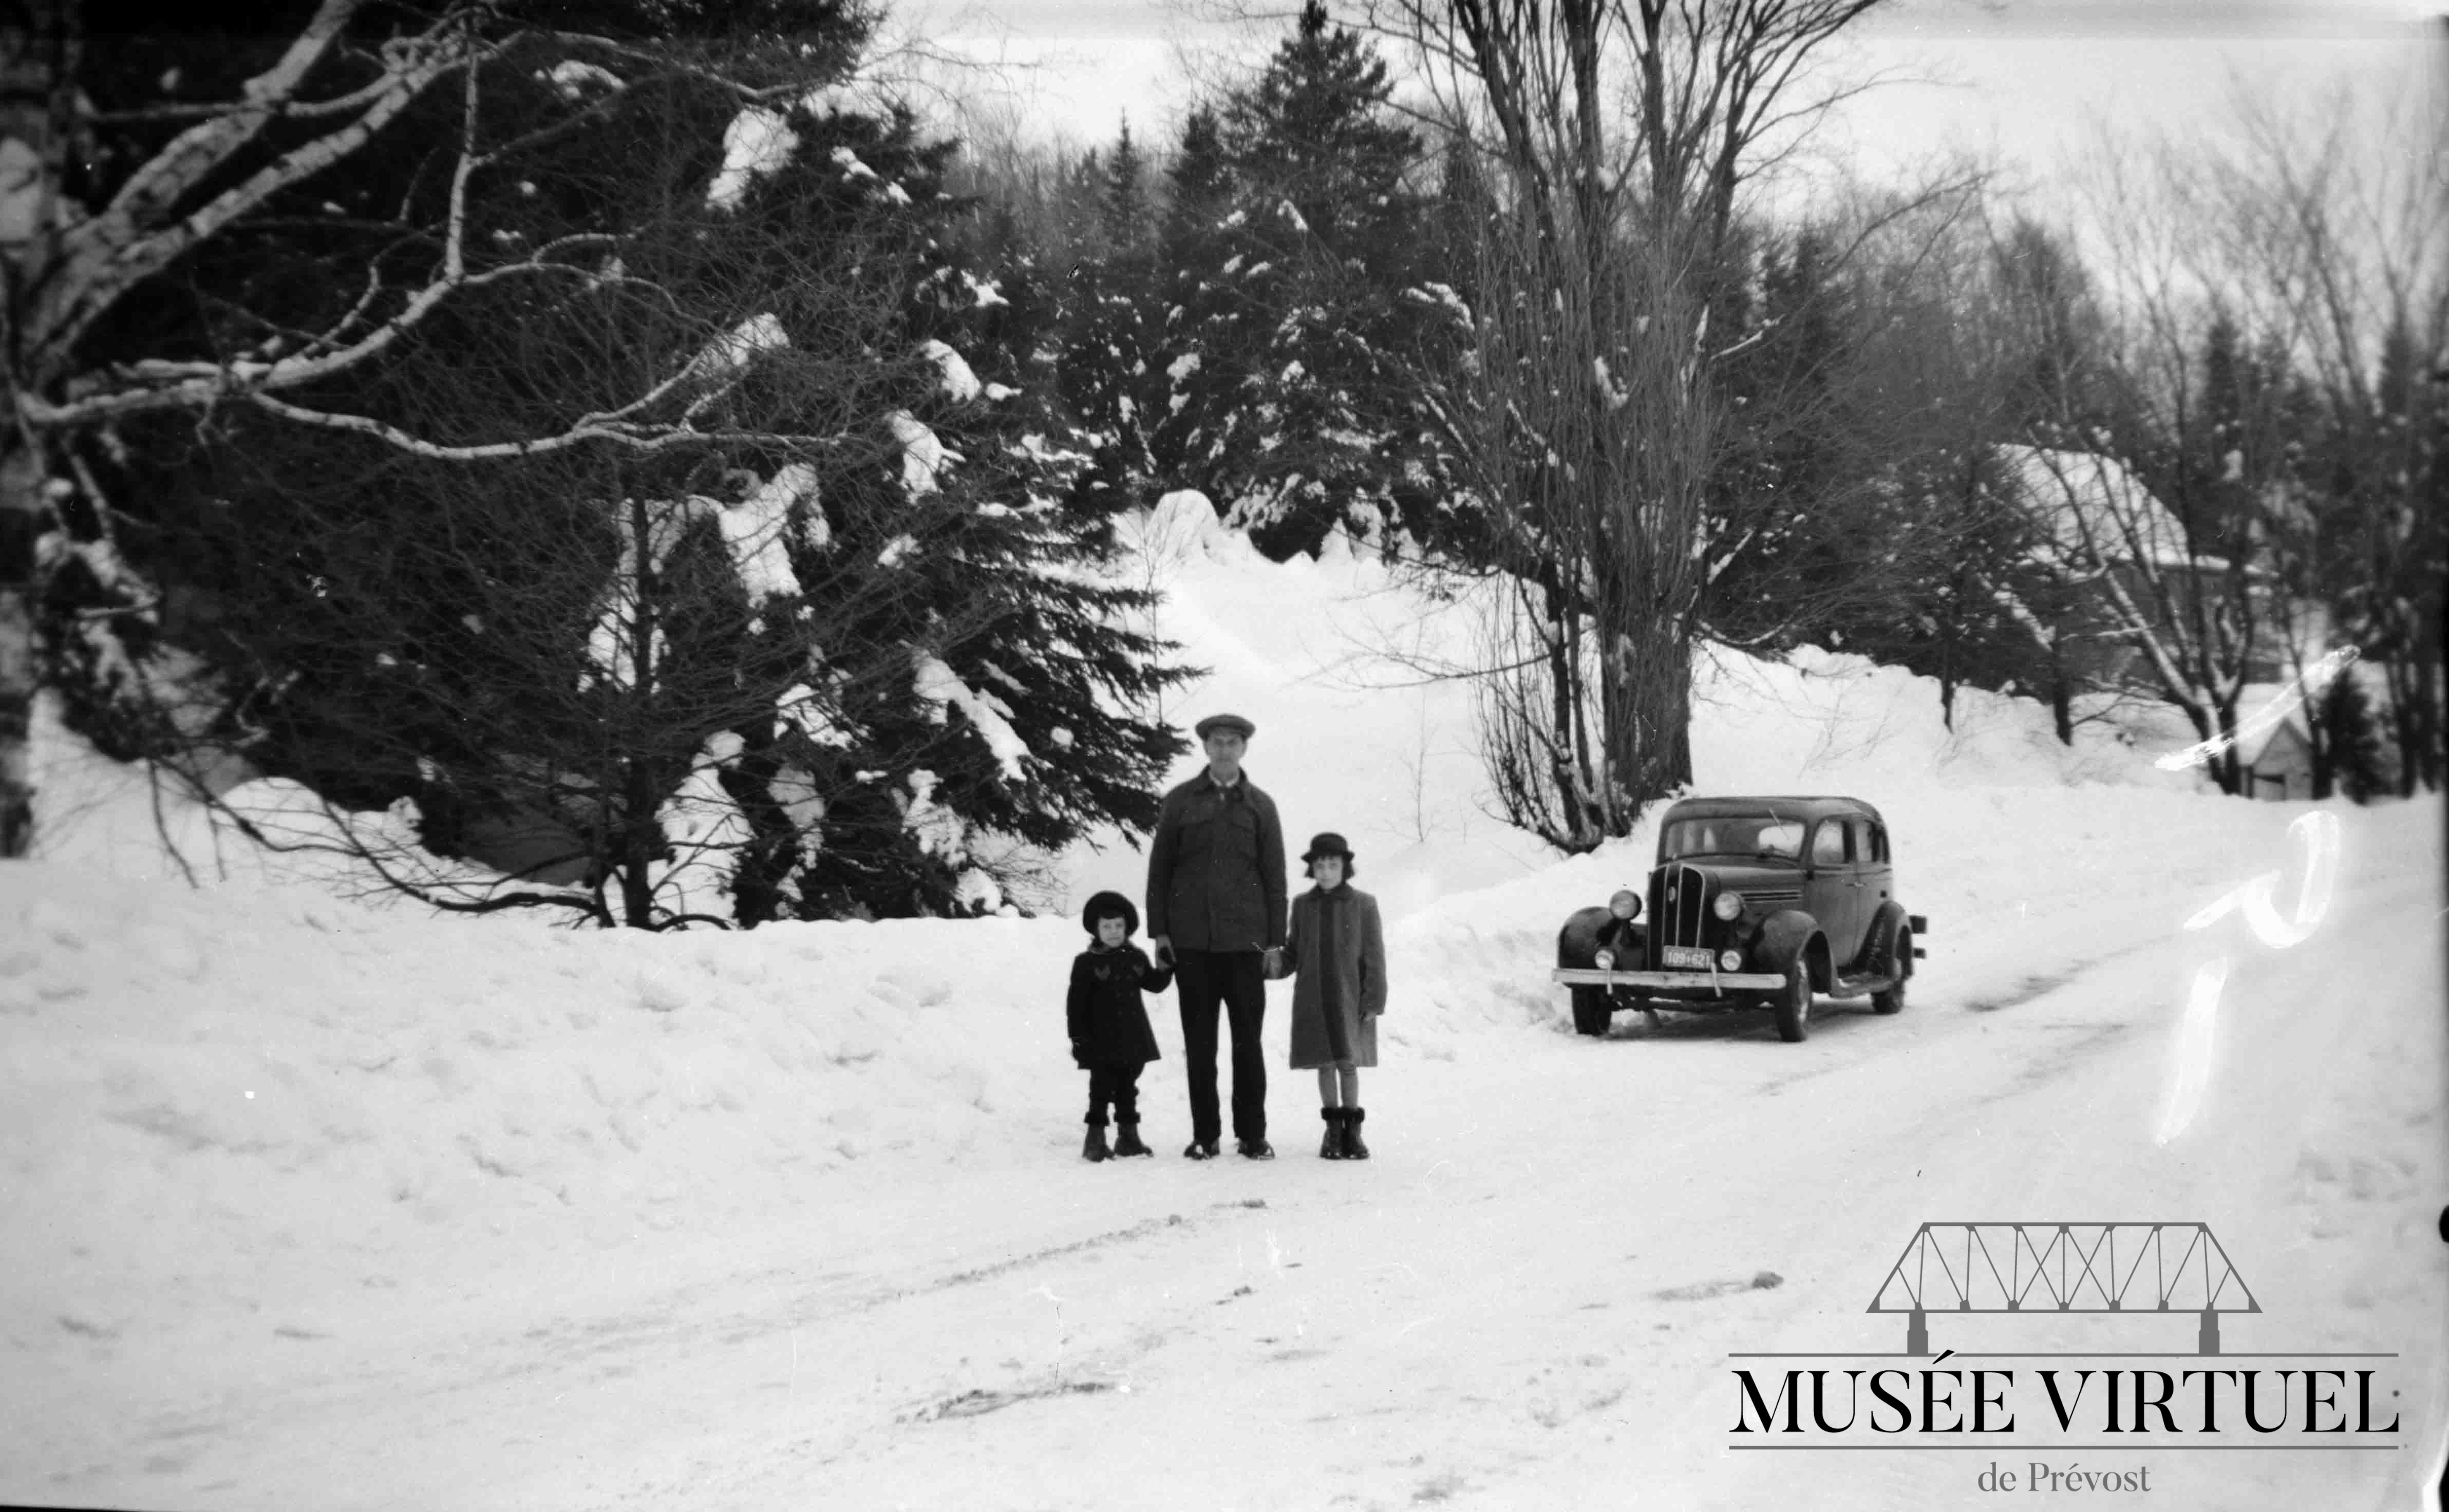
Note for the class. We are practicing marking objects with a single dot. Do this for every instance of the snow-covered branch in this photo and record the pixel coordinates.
(100, 259)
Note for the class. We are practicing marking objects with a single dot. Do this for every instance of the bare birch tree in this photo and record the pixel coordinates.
(83, 233)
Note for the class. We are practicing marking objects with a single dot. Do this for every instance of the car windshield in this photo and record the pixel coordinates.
(1758, 836)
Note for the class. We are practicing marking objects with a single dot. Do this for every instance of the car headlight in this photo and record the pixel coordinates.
(1606, 960)
(1624, 904)
(1730, 961)
(1729, 905)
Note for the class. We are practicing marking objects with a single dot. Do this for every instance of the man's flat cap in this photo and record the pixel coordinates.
(1225, 721)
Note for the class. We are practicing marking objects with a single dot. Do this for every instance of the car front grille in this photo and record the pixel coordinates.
(1680, 906)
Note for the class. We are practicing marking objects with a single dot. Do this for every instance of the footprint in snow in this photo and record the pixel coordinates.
(1704, 1291)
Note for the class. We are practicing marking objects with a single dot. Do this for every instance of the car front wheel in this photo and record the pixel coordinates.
(1794, 1003)
(1591, 1013)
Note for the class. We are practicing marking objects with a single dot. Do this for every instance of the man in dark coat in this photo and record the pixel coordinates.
(1109, 1024)
(1216, 912)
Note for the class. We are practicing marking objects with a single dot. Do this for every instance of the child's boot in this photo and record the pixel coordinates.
(1128, 1143)
(1353, 1148)
(1095, 1149)
(1331, 1148)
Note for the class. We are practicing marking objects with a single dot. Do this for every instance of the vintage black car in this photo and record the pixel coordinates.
(1754, 903)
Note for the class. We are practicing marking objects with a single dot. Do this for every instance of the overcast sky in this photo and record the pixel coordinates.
(2027, 79)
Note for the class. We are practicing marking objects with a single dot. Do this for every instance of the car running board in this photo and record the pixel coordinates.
(1858, 986)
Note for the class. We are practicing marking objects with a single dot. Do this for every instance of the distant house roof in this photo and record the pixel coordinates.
(2261, 722)
(2092, 508)
(2287, 733)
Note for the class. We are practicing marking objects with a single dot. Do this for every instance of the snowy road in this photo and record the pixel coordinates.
(1526, 1299)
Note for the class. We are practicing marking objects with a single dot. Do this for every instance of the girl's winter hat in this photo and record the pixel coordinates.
(1326, 842)
(1108, 906)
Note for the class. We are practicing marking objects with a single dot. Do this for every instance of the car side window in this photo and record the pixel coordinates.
(1866, 848)
(1829, 844)
(1879, 844)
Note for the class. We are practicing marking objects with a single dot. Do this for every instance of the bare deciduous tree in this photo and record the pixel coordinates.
(1618, 136)
(2349, 229)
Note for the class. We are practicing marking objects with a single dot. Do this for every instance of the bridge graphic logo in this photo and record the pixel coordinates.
(2097, 1267)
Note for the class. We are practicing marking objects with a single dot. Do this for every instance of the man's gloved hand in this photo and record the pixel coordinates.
(1161, 945)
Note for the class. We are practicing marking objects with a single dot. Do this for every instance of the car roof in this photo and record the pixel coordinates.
(1779, 806)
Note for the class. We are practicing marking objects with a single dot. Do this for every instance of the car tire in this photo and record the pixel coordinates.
(1592, 1015)
(1891, 999)
(1793, 1002)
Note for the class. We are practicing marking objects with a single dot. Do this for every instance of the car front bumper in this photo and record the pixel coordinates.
(1707, 984)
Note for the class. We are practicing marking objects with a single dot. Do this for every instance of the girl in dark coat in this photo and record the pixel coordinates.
(1111, 1037)
(1338, 950)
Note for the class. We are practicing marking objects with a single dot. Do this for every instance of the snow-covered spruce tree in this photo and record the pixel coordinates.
(668, 583)
(1288, 377)
(1106, 336)
(1024, 726)
(131, 156)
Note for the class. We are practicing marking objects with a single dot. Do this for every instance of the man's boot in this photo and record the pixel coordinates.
(1353, 1148)
(1128, 1143)
(1095, 1149)
(1331, 1148)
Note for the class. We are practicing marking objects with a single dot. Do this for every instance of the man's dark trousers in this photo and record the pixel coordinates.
(1239, 980)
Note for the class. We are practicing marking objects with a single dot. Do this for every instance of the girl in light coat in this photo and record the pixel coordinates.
(1337, 950)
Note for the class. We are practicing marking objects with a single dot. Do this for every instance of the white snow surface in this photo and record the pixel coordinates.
(990, 715)
(923, 454)
(572, 78)
(735, 348)
(308, 1203)
(960, 383)
(752, 529)
(752, 536)
(758, 141)
(2094, 509)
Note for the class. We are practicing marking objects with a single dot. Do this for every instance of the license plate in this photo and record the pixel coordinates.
(1685, 955)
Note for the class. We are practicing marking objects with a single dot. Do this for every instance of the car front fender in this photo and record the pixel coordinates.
(1784, 936)
(1588, 929)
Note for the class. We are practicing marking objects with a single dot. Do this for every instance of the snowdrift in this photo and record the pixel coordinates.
(244, 1121)
(199, 1079)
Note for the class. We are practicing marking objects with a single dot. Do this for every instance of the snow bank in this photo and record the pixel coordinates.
(198, 1082)
(1346, 667)
(289, 1099)
(249, 1134)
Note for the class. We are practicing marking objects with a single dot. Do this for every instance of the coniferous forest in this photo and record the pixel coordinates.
(630, 446)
